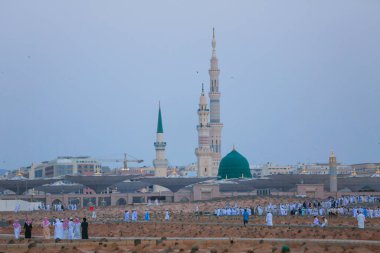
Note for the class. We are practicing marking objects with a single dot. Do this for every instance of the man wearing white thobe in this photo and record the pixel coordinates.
(361, 220)
(167, 215)
(269, 219)
(71, 229)
(126, 216)
(134, 215)
(58, 229)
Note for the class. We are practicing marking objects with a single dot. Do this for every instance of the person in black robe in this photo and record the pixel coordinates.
(28, 228)
(84, 226)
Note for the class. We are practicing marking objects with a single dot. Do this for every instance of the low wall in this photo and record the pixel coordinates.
(18, 205)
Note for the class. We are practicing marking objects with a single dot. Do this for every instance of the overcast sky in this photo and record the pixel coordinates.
(298, 78)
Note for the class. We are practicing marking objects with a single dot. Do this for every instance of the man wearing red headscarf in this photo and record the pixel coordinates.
(46, 228)
(77, 229)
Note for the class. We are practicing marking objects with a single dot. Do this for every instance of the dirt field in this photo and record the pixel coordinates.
(338, 237)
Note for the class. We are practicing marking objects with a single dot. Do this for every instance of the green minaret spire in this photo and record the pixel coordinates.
(160, 129)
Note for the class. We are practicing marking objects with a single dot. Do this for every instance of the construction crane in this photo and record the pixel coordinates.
(125, 161)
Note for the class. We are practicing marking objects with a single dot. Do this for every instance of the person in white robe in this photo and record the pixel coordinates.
(361, 220)
(17, 229)
(71, 229)
(269, 219)
(260, 210)
(126, 216)
(134, 215)
(65, 226)
(167, 215)
(58, 229)
(77, 229)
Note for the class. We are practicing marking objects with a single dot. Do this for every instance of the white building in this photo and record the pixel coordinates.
(268, 169)
(65, 165)
(323, 169)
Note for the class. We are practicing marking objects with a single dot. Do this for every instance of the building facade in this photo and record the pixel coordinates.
(65, 165)
(323, 169)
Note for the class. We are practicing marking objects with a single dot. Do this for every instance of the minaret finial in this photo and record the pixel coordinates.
(233, 147)
(213, 43)
(203, 89)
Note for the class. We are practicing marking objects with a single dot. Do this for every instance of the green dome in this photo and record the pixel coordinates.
(234, 165)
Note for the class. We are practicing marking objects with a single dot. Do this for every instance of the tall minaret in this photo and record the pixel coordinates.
(203, 152)
(214, 95)
(160, 163)
(332, 173)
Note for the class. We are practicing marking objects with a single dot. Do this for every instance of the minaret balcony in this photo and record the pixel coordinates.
(160, 144)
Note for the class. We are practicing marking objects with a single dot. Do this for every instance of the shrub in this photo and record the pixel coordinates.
(137, 242)
(194, 249)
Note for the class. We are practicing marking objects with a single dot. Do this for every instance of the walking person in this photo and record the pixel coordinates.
(58, 229)
(66, 229)
(361, 220)
(17, 229)
(84, 226)
(28, 228)
(167, 215)
(269, 219)
(46, 228)
(245, 217)
(126, 216)
(77, 227)
(147, 216)
(71, 229)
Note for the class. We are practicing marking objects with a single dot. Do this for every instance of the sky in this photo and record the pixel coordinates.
(298, 79)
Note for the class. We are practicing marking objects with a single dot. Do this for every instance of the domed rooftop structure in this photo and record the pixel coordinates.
(234, 165)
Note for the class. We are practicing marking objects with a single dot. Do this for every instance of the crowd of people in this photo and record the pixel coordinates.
(133, 216)
(349, 205)
(343, 206)
(72, 228)
(64, 229)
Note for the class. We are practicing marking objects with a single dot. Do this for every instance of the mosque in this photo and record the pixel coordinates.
(208, 152)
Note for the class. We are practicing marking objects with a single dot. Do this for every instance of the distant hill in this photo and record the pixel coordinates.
(3, 171)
